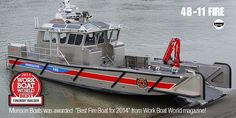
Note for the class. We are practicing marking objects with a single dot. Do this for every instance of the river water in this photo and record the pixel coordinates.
(148, 26)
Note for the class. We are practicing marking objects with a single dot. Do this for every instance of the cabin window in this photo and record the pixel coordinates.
(101, 38)
(75, 39)
(90, 39)
(46, 37)
(54, 37)
(114, 35)
(63, 38)
(109, 34)
(79, 39)
(71, 39)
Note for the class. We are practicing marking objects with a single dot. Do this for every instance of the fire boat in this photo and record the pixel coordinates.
(74, 49)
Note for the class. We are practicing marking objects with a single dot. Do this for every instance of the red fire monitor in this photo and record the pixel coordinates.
(173, 45)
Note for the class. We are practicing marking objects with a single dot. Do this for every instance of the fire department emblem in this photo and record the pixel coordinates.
(141, 83)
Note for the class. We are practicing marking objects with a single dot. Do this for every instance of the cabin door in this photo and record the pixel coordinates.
(49, 43)
(70, 46)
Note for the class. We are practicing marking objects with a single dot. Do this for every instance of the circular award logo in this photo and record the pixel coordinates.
(219, 24)
(25, 89)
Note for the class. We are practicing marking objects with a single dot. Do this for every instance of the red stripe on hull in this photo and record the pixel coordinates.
(98, 76)
(71, 72)
(13, 61)
(123, 80)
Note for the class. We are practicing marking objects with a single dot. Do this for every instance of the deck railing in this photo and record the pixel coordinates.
(32, 51)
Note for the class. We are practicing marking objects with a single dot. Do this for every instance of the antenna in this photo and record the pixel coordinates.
(67, 3)
(36, 22)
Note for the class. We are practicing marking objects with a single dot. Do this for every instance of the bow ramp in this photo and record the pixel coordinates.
(217, 81)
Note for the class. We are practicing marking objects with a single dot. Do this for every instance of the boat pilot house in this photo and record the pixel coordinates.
(88, 42)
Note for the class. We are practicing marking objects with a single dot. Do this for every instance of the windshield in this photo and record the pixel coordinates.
(90, 39)
(101, 37)
(114, 35)
(75, 39)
